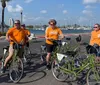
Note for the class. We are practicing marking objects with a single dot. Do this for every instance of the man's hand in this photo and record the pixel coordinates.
(7, 39)
(98, 35)
(61, 37)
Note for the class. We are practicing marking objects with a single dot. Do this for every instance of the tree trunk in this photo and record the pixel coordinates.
(2, 23)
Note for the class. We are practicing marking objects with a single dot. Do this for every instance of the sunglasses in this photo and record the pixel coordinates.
(17, 23)
(95, 27)
(52, 24)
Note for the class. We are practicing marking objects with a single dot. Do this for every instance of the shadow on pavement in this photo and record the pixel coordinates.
(34, 71)
(32, 77)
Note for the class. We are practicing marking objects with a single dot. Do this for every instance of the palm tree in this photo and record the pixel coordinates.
(3, 2)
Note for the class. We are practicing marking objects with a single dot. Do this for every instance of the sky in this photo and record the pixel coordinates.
(83, 12)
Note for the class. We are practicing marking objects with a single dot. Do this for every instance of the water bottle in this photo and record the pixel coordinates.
(2, 64)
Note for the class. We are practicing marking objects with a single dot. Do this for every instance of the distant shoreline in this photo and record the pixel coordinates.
(67, 35)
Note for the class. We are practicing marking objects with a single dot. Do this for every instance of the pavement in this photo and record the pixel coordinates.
(36, 74)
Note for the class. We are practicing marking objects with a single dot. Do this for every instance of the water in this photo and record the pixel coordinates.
(42, 32)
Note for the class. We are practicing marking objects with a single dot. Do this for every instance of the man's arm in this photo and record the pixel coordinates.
(61, 35)
(7, 37)
(8, 34)
(46, 33)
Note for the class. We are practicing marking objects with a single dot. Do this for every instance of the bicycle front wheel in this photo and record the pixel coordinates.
(57, 72)
(16, 70)
(93, 76)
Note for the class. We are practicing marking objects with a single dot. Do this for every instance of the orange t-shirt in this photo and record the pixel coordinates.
(16, 35)
(95, 38)
(52, 33)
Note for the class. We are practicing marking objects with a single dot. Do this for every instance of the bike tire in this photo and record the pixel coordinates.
(27, 56)
(55, 69)
(16, 70)
(93, 76)
(43, 54)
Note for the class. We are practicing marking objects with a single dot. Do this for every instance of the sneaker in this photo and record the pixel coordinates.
(3, 70)
(48, 66)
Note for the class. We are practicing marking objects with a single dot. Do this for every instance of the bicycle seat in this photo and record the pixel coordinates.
(68, 38)
(6, 47)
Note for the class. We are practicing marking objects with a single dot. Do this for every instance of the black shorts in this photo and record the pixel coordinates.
(27, 44)
(49, 47)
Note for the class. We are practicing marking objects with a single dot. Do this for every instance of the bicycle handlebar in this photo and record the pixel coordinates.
(56, 42)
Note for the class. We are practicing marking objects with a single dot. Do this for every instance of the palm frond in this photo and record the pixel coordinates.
(5, 0)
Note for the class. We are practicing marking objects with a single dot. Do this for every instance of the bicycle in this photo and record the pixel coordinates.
(15, 65)
(61, 47)
(65, 65)
(68, 51)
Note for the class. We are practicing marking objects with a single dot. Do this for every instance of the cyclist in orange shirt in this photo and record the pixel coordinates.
(95, 39)
(15, 34)
(27, 32)
(52, 32)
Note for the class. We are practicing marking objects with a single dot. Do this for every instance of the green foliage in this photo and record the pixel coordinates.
(29, 26)
(5, 0)
(2, 33)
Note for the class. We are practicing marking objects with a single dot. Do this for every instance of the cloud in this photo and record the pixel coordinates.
(65, 12)
(43, 11)
(61, 5)
(26, 18)
(88, 7)
(28, 1)
(90, 1)
(18, 8)
(87, 12)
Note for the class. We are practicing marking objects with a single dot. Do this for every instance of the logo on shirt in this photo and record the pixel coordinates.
(54, 33)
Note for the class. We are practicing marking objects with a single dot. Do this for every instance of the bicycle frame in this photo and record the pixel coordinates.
(88, 65)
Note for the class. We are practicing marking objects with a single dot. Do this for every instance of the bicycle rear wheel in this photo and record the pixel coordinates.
(93, 76)
(16, 70)
(27, 55)
(57, 72)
